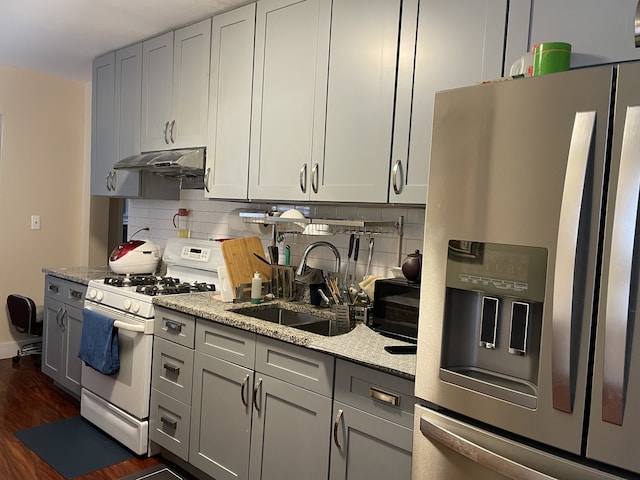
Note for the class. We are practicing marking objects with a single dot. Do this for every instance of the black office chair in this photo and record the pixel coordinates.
(26, 318)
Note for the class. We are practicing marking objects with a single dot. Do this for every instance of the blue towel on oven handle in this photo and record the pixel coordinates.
(99, 342)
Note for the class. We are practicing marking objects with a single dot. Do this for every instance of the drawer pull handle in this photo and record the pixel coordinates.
(172, 368)
(336, 424)
(174, 326)
(171, 422)
(54, 288)
(76, 294)
(383, 396)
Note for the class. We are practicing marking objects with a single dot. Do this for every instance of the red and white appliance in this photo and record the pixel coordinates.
(119, 404)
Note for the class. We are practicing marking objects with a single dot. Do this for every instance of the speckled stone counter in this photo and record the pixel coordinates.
(79, 274)
(362, 345)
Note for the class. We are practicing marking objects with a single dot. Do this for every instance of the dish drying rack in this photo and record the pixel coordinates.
(369, 228)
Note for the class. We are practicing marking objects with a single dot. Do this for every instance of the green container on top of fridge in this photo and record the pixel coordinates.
(551, 57)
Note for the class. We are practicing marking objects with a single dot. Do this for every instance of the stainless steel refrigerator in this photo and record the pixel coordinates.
(529, 339)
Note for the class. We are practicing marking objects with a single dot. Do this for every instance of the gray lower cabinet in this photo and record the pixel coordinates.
(372, 430)
(62, 330)
(171, 381)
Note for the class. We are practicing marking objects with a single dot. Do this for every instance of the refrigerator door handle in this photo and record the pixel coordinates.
(478, 454)
(618, 285)
(578, 157)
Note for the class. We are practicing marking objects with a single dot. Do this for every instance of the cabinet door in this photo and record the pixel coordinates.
(599, 32)
(365, 446)
(71, 335)
(454, 44)
(289, 97)
(221, 418)
(191, 55)
(360, 102)
(128, 110)
(232, 40)
(103, 153)
(157, 88)
(52, 338)
(291, 432)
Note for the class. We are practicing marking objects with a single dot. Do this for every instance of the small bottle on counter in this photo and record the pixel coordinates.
(256, 288)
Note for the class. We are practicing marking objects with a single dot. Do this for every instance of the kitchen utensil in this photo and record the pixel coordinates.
(287, 256)
(241, 262)
(366, 272)
(282, 282)
(356, 251)
(412, 266)
(261, 258)
(273, 254)
(350, 252)
(134, 257)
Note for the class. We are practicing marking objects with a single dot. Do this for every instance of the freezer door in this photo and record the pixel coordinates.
(446, 448)
(512, 226)
(615, 417)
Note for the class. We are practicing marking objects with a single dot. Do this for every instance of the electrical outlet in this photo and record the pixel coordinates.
(35, 222)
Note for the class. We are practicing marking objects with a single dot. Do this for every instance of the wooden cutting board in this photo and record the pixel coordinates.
(241, 262)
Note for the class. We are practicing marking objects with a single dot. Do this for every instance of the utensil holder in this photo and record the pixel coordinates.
(282, 282)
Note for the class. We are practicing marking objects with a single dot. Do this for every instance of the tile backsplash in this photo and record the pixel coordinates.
(211, 219)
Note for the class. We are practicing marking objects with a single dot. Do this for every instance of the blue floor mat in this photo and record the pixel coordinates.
(73, 447)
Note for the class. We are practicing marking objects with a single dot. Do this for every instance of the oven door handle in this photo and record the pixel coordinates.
(128, 326)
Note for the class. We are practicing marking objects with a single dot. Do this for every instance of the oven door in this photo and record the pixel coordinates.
(130, 388)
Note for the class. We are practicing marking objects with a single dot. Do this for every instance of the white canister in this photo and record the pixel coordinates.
(226, 293)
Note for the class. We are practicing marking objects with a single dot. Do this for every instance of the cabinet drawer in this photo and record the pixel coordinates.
(303, 367)
(172, 371)
(71, 293)
(378, 393)
(175, 326)
(228, 343)
(169, 422)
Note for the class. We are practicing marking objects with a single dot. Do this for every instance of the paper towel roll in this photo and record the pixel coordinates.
(236, 223)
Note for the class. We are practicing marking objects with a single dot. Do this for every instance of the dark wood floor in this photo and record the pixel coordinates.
(29, 398)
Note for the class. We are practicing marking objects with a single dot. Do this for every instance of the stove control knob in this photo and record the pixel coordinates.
(127, 304)
(99, 296)
(92, 293)
(135, 307)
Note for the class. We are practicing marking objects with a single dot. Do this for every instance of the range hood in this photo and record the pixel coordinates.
(168, 163)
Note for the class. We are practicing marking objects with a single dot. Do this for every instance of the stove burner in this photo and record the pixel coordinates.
(203, 287)
(173, 289)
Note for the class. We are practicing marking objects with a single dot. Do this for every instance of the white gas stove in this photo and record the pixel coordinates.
(191, 267)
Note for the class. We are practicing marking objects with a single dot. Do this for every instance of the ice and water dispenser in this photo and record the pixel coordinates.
(493, 319)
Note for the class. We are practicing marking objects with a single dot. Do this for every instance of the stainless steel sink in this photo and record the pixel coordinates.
(290, 318)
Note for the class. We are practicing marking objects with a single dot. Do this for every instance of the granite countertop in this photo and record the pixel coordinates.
(79, 274)
(361, 345)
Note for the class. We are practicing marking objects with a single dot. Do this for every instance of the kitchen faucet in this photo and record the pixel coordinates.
(313, 246)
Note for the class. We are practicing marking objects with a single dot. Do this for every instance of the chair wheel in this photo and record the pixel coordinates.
(15, 359)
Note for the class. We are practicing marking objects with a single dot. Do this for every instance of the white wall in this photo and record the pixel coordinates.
(42, 160)
(210, 219)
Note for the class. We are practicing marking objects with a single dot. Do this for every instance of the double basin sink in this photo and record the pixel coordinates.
(298, 320)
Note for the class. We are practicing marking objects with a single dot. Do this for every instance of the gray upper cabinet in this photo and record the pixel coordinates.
(599, 31)
(175, 88)
(232, 40)
(289, 97)
(451, 45)
(103, 124)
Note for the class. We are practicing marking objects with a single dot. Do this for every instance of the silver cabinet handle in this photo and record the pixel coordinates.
(172, 368)
(303, 178)
(54, 288)
(76, 294)
(63, 327)
(314, 178)
(173, 326)
(256, 391)
(206, 179)
(173, 124)
(570, 208)
(618, 284)
(107, 181)
(636, 25)
(113, 181)
(59, 317)
(336, 424)
(397, 167)
(384, 396)
(478, 454)
(243, 391)
(171, 422)
(164, 132)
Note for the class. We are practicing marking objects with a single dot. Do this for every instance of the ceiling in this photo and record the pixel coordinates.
(61, 37)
